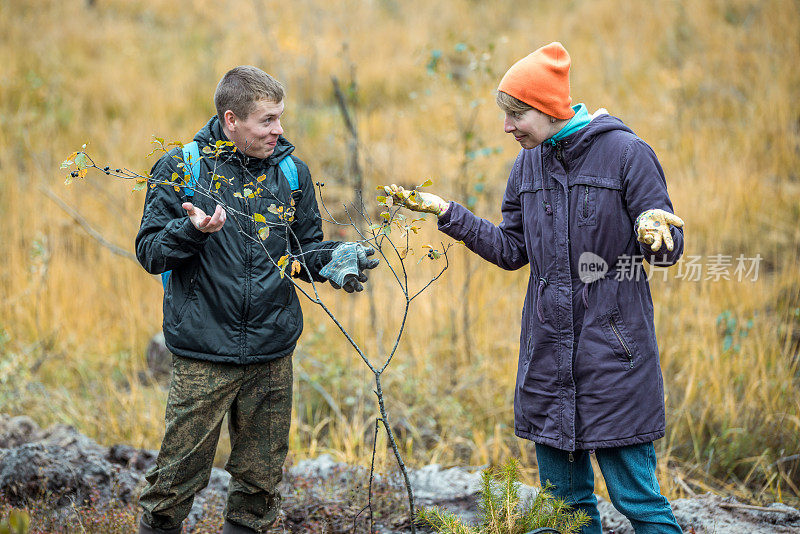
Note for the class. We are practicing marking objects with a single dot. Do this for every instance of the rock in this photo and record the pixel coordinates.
(711, 513)
(36, 470)
(71, 468)
(612, 520)
(137, 459)
(15, 431)
(159, 359)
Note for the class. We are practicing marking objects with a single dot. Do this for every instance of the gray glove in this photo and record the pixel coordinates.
(348, 265)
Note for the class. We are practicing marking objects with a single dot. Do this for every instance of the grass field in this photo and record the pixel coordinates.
(709, 84)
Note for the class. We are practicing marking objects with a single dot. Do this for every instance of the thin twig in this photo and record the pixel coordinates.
(371, 476)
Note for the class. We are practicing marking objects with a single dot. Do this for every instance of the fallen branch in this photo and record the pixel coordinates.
(78, 218)
(737, 506)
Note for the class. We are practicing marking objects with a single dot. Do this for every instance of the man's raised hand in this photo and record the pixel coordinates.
(201, 221)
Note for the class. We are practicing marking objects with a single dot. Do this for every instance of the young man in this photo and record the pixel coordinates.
(230, 319)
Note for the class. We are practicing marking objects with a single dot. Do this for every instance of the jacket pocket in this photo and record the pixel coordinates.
(536, 199)
(191, 286)
(589, 193)
(618, 338)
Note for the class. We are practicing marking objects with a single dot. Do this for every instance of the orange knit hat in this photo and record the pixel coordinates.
(541, 80)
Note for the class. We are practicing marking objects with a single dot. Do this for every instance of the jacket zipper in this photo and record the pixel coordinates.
(560, 154)
(619, 337)
(246, 303)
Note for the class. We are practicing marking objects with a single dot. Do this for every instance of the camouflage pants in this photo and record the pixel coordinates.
(258, 400)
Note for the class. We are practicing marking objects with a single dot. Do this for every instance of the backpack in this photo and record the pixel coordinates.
(191, 172)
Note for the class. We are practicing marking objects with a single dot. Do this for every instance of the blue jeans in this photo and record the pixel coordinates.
(630, 475)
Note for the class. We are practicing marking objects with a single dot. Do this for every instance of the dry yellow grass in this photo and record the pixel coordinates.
(710, 85)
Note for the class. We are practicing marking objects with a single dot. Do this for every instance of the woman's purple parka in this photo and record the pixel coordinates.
(589, 374)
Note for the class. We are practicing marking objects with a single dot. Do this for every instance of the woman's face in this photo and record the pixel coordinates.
(530, 128)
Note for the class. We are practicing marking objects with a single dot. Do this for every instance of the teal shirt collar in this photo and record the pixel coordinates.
(578, 121)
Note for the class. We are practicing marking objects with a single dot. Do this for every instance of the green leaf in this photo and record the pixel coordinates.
(259, 218)
(247, 192)
(207, 150)
(67, 163)
(263, 233)
(80, 160)
(273, 209)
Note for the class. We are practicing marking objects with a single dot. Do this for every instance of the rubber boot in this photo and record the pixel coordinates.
(233, 528)
(144, 528)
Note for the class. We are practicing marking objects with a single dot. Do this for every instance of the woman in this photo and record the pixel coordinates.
(586, 201)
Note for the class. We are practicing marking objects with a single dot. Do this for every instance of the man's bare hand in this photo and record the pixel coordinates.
(205, 223)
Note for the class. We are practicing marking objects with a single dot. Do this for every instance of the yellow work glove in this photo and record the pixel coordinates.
(653, 227)
(417, 200)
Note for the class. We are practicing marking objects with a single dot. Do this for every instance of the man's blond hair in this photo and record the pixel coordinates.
(242, 87)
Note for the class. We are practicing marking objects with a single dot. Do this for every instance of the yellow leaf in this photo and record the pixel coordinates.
(259, 218)
(282, 261)
(261, 178)
(295, 267)
(426, 183)
(263, 233)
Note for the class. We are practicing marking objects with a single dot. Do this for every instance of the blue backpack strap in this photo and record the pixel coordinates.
(191, 173)
(290, 172)
(191, 167)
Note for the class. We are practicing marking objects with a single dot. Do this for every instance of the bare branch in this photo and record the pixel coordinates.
(78, 218)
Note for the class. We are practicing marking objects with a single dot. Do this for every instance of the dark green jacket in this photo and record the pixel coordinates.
(225, 301)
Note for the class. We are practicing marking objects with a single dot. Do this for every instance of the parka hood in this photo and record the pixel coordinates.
(576, 143)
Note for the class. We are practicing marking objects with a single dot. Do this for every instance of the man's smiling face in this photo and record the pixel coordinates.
(256, 135)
